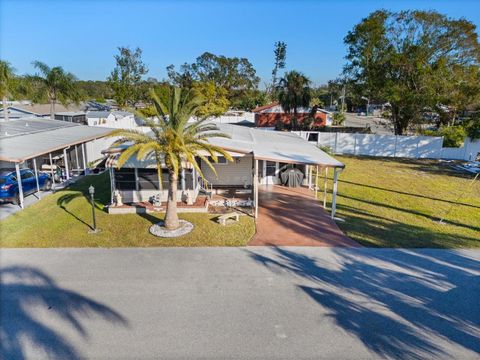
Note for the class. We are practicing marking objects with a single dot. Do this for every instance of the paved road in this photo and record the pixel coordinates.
(223, 303)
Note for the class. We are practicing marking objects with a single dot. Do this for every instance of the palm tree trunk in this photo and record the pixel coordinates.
(52, 109)
(5, 109)
(171, 216)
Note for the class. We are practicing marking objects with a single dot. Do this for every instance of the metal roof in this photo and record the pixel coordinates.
(275, 146)
(98, 114)
(24, 139)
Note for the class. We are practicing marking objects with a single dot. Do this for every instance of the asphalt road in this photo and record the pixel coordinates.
(246, 303)
(378, 125)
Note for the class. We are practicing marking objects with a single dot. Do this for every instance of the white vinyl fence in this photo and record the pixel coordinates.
(391, 145)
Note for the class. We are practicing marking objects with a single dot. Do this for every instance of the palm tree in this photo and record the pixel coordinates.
(294, 92)
(174, 142)
(57, 84)
(7, 76)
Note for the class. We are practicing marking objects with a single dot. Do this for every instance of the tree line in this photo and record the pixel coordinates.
(421, 66)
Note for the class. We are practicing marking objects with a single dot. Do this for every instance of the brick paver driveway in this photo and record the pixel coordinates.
(292, 217)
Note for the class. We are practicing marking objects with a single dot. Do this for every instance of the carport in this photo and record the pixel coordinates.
(277, 147)
(24, 141)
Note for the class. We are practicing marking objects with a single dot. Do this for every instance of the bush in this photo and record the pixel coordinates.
(338, 118)
(473, 127)
(453, 136)
(279, 125)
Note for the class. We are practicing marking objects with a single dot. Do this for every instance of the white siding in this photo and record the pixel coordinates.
(238, 172)
(95, 147)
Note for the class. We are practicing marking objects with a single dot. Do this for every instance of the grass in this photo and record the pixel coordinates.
(397, 203)
(63, 220)
(384, 202)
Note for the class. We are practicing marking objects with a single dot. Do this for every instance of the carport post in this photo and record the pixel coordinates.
(84, 158)
(334, 197)
(183, 180)
(19, 181)
(310, 173)
(65, 161)
(316, 183)
(325, 184)
(51, 169)
(255, 188)
(76, 159)
(36, 173)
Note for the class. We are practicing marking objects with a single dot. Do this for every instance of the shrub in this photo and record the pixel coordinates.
(473, 127)
(453, 136)
(338, 118)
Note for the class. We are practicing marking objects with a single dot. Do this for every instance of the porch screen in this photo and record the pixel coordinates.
(125, 179)
(148, 179)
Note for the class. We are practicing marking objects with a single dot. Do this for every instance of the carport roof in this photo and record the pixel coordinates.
(24, 139)
(273, 145)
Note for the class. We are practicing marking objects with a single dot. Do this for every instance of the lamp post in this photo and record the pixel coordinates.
(368, 104)
(91, 191)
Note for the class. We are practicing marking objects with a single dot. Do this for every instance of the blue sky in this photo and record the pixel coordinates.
(82, 36)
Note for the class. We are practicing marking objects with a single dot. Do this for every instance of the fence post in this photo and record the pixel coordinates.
(355, 144)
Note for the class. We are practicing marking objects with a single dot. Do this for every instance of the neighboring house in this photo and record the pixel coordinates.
(16, 112)
(259, 157)
(113, 119)
(270, 115)
(22, 109)
(78, 117)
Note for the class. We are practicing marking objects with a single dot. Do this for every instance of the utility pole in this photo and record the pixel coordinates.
(343, 99)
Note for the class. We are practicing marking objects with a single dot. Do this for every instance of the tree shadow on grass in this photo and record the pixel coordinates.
(24, 291)
(67, 198)
(407, 193)
(374, 230)
(411, 211)
(401, 304)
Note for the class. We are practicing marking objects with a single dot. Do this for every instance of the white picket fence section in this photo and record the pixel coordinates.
(429, 147)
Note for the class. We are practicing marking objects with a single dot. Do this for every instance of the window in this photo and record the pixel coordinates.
(222, 160)
(270, 168)
(27, 175)
(125, 179)
(148, 179)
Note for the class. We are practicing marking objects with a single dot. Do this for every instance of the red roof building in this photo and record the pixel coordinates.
(270, 115)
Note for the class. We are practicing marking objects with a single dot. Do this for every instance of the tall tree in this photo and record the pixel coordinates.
(7, 76)
(56, 84)
(280, 58)
(216, 102)
(294, 92)
(126, 77)
(174, 142)
(236, 75)
(404, 58)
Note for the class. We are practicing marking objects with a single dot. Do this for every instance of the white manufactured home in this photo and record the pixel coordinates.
(259, 158)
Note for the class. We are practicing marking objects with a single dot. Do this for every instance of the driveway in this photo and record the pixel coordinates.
(239, 303)
(293, 217)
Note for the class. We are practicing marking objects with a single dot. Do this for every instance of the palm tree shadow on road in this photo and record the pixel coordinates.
(394, 301)
(24, 291)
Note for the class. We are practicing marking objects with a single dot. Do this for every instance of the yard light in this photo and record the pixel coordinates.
(91, 191)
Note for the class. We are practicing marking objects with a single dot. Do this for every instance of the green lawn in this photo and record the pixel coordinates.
(397, 203)
(62, 220)
(384, 202)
